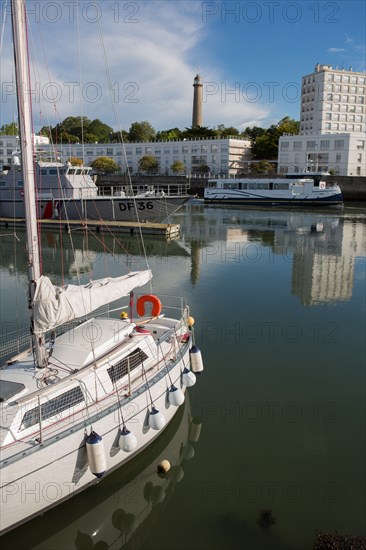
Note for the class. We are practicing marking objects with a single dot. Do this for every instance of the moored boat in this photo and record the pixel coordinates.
(67, 192)
(308, 189)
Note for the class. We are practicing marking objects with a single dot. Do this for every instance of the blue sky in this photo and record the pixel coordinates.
(251, 57)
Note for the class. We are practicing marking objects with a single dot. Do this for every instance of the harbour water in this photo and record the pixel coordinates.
(270, 446)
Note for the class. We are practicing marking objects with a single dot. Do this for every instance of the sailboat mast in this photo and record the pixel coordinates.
(20, 35)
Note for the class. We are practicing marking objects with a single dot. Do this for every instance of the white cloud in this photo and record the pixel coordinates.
(152, 55)
(335, 50)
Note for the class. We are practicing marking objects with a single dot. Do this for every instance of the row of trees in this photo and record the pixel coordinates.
(147, 164)
(82, 129)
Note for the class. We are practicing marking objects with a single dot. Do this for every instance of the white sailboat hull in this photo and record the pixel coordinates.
(41, 476)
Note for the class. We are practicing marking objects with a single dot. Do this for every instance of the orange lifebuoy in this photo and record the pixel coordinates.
(154, 300)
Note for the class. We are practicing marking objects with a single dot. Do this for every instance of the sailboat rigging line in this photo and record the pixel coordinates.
(117, 120)
(166, 366)
(179, 349)
(5, 11)
(80, 82)
(106, 248)
(120, 413)
(84, 390)
(147, 383)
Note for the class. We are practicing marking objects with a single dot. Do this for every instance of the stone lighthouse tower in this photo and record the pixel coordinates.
(197, 102)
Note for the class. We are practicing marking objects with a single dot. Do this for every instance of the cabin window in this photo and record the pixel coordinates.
(213, 183)
(53, 172)
(71, 171)
(230, 186)
(52, 407)
(242, 186)
(20, 183)
(2, 183)
(280, 186)
(120, 369)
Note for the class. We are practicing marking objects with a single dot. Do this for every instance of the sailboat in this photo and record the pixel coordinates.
(83, 401)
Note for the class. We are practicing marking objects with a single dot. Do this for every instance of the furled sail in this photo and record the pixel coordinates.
(54, 306)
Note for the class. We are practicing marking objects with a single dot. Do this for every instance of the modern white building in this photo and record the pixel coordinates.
(222, 156)
(343, 153)
(332, 100)
(332, 124)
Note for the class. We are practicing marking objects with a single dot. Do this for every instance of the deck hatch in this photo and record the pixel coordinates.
(52, 407)
(8, 389)
(120, 369)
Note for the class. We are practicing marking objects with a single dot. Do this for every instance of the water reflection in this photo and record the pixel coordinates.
(65, 256)
(321, 247)
(120, 511)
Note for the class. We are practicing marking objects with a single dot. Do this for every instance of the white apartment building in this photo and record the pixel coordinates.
(343, 154)
(222, 156)
(332, 124)
(332, 100)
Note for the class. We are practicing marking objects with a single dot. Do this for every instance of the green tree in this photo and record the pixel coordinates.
(102, 131)
(201, 169)
(178, 167)
(141, 131)
(73, 126)
(119, 137)
(46, 131)
(288, 125)
(265, 145)
(148, 164)
(104, 165)
(252, 132)
(224, 132)
(199, 132)
(90, 138)
(75, 161)
(9, 129)
(168, 135)
(262, 167)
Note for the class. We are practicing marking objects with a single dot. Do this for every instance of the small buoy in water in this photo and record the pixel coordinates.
(157, 494)
(187, 452)
(164, 466)
(175, 396)
(156, 419)
(96, 454)
(127, 440)
(194, 430)
(190, 321)
(176, 474)
(196, 359)
(122, 521)
(188, 378)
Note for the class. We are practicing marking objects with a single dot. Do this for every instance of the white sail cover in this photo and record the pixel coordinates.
(54, 306)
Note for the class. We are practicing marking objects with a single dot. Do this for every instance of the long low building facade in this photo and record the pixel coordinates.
(341, 154)
(224, 156)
